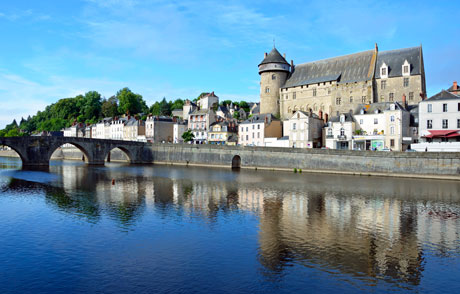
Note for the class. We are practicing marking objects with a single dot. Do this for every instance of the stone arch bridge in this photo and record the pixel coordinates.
(37, 151)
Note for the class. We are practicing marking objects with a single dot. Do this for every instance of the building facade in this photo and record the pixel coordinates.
(304, 130)
(337, 85)
(199, 123)
(339, 132)
(159, 129)
(254, 130)
(221, 132)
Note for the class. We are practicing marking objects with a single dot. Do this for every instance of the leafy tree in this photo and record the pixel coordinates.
(165, 107)
(225, 102)
(92, 106)
(236, 115)
(130, 102)
(188, 136)
(155, 108)
(109, 107)
(244, 105)
(177, 104)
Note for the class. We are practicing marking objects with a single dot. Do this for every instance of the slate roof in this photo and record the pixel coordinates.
(451, 89)
(348, 117)
(343, 69)
(443, 95)
(274, 57)
(380, 106)
(394, 59)
(259, 118)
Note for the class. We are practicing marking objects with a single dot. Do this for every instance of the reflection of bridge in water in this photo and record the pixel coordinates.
(37, 151)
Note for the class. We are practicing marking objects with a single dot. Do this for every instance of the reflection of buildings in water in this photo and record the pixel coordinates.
(352, 234)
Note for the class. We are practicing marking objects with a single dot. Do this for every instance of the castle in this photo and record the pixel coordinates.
(339, 84)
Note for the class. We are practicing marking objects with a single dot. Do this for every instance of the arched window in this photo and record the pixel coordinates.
(273, 77)
(267, 90)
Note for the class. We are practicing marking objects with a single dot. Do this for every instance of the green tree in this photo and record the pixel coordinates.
(109, 107)
(165, 107)
(155, 108)
(244, 105)
(130, 102)
(177, 104)
(236, 115)
(92, 107)
(188, 136)
(225, 102)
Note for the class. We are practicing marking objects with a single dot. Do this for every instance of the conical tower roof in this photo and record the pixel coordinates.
(274, 57)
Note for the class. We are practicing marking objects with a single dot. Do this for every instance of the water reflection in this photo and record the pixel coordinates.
(364, 227)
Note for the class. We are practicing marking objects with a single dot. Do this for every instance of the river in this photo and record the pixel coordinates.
(165, 229)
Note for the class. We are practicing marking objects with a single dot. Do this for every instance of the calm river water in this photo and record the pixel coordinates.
(163, 229)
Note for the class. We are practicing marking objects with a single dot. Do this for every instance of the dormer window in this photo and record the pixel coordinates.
(342, 118)
(384, 71)
(406, 68)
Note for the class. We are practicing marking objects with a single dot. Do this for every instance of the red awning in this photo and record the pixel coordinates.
(442, 134)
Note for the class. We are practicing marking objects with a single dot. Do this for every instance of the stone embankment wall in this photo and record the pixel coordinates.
(409, 164)
(443, 165)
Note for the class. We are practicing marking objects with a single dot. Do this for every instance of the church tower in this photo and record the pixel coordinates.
(273, 71)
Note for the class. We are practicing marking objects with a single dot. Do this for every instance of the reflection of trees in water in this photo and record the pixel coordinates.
(80, 205)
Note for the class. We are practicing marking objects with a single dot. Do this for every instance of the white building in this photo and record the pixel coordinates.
(339, 132)
(199, 122)
(253, 131)
(103, 129)
(208, 101)
(117, 128)
(178, 130)
(384, 125)
(439, 123)
(303, 129)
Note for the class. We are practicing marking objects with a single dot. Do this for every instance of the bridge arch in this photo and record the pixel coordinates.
(87, 157)
(128, 154)
(18, 152)
(236, 162)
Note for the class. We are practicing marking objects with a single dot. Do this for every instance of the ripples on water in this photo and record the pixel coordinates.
(198, 230)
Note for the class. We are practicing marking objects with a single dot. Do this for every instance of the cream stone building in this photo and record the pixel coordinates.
(303, 129)
(339, 84)
(253, 131)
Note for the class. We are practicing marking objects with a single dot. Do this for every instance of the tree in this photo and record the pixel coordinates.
(109, 107)
(130, 102)
(244, 105)
(226, 102)
(236, 115)
(165, 107)
(188, 136)
(155, 108)
(177, 104)
(92, 107)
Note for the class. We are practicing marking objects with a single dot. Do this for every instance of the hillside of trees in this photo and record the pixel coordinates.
(91, 108)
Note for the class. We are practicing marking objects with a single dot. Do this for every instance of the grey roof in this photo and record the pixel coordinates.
(256, 109)
(451, 89)
(344, 69)
(274, 57)
(348, 117)
(223, 109)
(201, 111)
(444, 95)
(259, 118)
(380, 106)
(413, 110)
(394, 59)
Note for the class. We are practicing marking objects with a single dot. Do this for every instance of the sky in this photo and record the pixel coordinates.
(178, 49)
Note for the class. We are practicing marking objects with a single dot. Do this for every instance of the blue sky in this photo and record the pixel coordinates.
(178, 49)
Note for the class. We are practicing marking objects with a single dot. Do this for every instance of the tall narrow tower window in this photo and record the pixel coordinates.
(273, 77)
(267, 90)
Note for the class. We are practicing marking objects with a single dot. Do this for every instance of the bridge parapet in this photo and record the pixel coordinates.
(37, 151)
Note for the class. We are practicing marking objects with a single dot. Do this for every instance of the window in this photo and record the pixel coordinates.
(390, 97)
(392, 143)
(247, 137)
(406, 69)
(314, 92)
(430, 108)
(361, 121)
(459, 107)
(253, 127)
(383, 84)
(351, 99)
(382, 98)
(293, 95)
(273, 77)
(376, 121)
(293, 126)
(338, 100)
(258, 135)
(363, 99)
(444, 107)
(267, 90)
(247, 129)
(445, 123)
(258, 127)
(458, 123)
(429, 124)
(384, 71)
(253, 135)
(329, 132)
(329, 90)
(392, 130)
(406, 82)
(411, 96)
(392, 118)
(342, 132)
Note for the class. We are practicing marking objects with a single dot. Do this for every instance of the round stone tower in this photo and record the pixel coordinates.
(273, 71)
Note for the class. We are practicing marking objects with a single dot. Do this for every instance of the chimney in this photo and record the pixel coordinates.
(292, 63)
(376, 48)
(265, 54)
(404, 100)
(284, 55)
(266, 119)
(454, 86)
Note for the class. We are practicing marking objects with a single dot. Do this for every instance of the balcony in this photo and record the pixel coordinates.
(342, 137)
